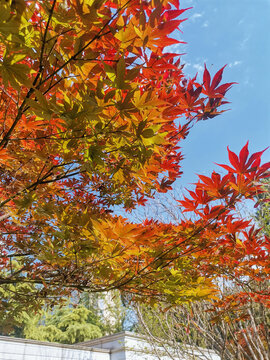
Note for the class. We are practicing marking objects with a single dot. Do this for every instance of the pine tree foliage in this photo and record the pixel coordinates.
(64, 325)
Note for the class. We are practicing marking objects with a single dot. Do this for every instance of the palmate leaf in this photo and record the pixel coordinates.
(15, 74)
(212, 89)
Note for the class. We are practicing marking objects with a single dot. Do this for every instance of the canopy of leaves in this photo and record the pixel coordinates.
(92, 109)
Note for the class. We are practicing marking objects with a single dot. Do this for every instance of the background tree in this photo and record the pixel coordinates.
(14, 301)
(192, 330)
(83, 318)
(262, 214)
(112, 313)
(92, 110)
(66, 325)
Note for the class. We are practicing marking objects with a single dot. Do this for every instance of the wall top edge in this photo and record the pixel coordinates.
(131, 335)
(122, 334)
(78, 346)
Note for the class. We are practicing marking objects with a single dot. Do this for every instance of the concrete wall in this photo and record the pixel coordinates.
(21, 349)
(122, 346)
(130, 346)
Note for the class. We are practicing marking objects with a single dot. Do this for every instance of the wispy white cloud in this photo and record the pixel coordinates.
(244, 42)
(187, 64)
(176, 48)
(248, 82)
(241, 21)
(205, 24)
(195, 16)
(235, 63)
(199, 68)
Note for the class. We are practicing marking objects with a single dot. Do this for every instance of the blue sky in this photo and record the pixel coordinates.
(234, 33)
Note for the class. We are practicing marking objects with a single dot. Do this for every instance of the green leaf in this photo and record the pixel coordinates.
(15, 74)
(16, 58)
(121, 70)
(148, 133)
(110, 72)
(141, 127)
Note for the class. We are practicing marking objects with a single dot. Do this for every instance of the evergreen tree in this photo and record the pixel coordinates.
(87, 317)
(14, 300)
(66, 325)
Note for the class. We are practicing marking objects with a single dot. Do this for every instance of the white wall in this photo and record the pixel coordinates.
(122, 346)
(129, 346)
(21, 349)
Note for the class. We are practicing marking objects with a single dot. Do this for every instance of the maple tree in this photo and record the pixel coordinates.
(92, 111)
